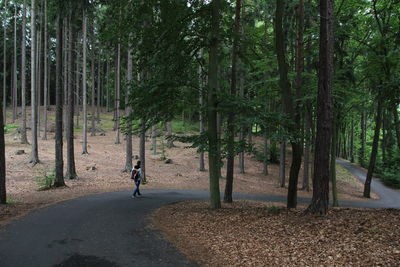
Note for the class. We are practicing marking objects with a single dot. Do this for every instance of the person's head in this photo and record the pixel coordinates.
(138, 163)
(136, 167)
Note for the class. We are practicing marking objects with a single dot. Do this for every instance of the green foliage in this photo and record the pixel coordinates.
(389, 171)
(9, 127)
(46, 181)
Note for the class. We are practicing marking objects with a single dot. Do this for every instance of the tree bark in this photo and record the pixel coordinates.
(71, 171)
(24, 139)
(282, 164)
(231, 116)
(35, 155)
(154, 139)
(213, 154)
(45, 93)
(93, 113)
(59, 159)
(352, 141)
(335, 133)
(363, 138)
(128, 112)
(84, 82)
(374, 151)
(320, 200)
(15, 76)
(142, 151)
(3, 191)
(117, 93)
(5, 64)
(396, 124)
(170, 142)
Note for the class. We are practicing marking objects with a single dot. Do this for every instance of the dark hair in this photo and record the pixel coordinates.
(138, 163)
(136, 167)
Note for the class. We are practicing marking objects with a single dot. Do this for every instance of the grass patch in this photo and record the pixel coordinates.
(8, 127)
(178, 127)
(344, 175)
(46, 181)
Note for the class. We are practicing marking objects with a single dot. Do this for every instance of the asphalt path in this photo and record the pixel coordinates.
(113, 230)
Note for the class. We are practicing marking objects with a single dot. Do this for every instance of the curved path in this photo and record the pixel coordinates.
(114, 230)
(388, 198)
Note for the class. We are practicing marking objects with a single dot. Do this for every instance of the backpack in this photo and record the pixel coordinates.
(135, 175)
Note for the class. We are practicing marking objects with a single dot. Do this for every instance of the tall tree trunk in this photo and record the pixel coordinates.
(282, 164)
(5, 64)
(374, 151)
(231, 116)
(65, 73)
(15, 76)
(39, 63)
(170, 142)
(266, 154)
(59, 161)
(71, 171)
(77, 89)
(363, 138)
(307, 134)
(24, 139)
(93, 113)
(201, 112)
(335, 133)
(35, 155)
(142, 151)
(396, 124)
(45, 93)
(294, 115)
(241, 133)
(320, 200)
(213, 154)
(3, 191)
(384, 136)
(84, 82)
(154, 139)
(128, 112)
(117, 92)
(352, 141)
(108, 90)
(98, 90)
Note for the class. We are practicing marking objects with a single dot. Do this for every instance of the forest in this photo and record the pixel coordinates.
(314, 79)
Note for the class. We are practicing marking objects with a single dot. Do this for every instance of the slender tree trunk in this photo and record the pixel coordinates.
(307, 133)
(93, 113)
(142, 151)
(363, 138)
(77, 89)
(170, 142)
(5, 64)
(374, 151)
(65, 78)
(154, 139)
(3, 191)
(98, 90)
(108, 90)
(15, 76)
(396, 124)
(384, 136)
(24, 139)
(128, 112)
(282, 164)
(84, 93)
(35, 155)
(352, 141)
(44, 137)
(266, 154)
(201, 113)
(39, 64)
(241, 133)
(335, 132)
(213, 154)
(320, 200)
(231, 116)
(117, 92)
(59, 161)
(71, 171)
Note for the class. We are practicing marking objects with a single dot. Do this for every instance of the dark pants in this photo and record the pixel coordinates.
(137, 189)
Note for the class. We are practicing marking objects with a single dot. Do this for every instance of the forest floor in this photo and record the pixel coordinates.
(101, 171)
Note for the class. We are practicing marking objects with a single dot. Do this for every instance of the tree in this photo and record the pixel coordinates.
(3, 195)
(45, 65)
(117, 91)
(59, 160)
(71, 171)
(24, 139)
(15, 76)
(231, 116)
(34, 156)
(213, 153)
(84, 82)
(5, 63)
(128, 111)
(320, 199)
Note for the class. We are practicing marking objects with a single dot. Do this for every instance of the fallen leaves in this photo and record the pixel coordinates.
(246, 234)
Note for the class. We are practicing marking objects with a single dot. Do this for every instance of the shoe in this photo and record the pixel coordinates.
(133, 196)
